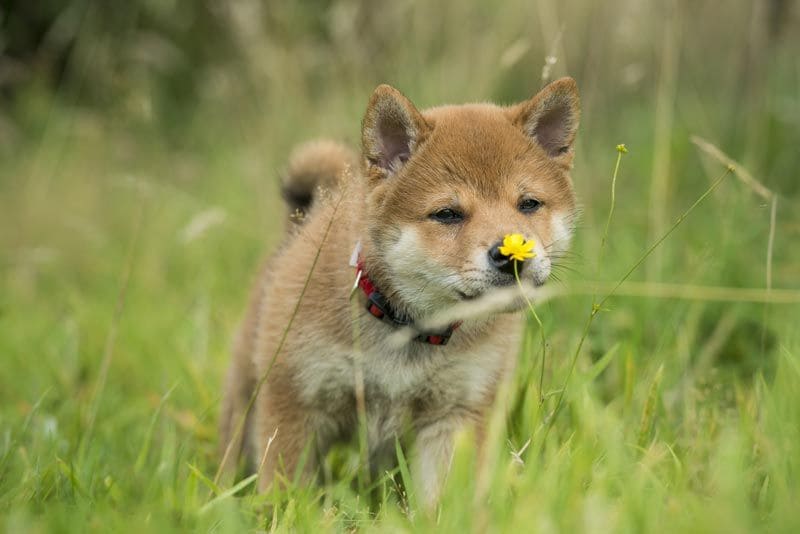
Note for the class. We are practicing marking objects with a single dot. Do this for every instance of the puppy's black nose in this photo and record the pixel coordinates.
(501, 262)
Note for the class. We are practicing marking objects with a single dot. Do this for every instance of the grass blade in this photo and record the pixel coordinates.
(649, 411)
(405, 476)
(210, 484)
(229, 492)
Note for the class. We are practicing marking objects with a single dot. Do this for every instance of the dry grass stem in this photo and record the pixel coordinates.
(743, 174)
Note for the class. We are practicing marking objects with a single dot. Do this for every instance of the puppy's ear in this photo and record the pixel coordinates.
(392, 129)
(551, 117)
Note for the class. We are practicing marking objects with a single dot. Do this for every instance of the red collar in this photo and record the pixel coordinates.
(379, 307)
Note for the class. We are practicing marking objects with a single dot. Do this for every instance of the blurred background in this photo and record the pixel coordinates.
(141, 142)
(202, 100)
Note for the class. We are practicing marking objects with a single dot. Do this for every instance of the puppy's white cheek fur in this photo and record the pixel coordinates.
(562, 233)
(540, 264)
(413, 270)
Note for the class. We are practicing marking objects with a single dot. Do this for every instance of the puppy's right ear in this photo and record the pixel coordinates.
(551, 118)
(391, 131)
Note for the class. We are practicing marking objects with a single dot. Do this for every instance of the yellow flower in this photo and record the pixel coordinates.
(516, 248)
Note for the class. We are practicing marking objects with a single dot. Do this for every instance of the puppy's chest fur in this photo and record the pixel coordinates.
(412, 385)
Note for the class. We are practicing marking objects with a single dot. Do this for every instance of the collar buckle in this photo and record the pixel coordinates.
(379, 307)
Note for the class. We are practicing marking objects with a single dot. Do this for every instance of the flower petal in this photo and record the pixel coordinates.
(516, 247)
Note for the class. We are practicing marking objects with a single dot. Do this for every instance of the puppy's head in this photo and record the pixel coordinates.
(447, 184)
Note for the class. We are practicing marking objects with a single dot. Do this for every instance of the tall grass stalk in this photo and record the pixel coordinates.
(694, 292)
(597, 307)
(664, 119)
(621, 150)
(364, 475)
(111, 338)
(541, 331)
(762, 191)
(263, 378)
(649, 411)
(770, 248)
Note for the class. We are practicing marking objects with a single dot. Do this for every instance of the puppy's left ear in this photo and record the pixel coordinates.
(551, 117)
(391, 131)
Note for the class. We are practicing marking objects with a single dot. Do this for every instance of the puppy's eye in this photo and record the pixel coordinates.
(529, 205)
(447, 216)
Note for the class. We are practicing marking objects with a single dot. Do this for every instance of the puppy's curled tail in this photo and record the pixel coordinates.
(314, 167)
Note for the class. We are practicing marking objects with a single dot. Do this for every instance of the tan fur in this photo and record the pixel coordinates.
(480, 159)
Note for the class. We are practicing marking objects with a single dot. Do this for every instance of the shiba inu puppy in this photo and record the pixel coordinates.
(406, 232)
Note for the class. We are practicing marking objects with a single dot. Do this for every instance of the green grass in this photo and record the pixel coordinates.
(127, 249)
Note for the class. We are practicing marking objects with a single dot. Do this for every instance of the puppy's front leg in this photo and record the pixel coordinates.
(282, 436)
(433, 454)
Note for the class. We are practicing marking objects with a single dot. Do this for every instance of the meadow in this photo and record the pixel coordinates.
(139, 193)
